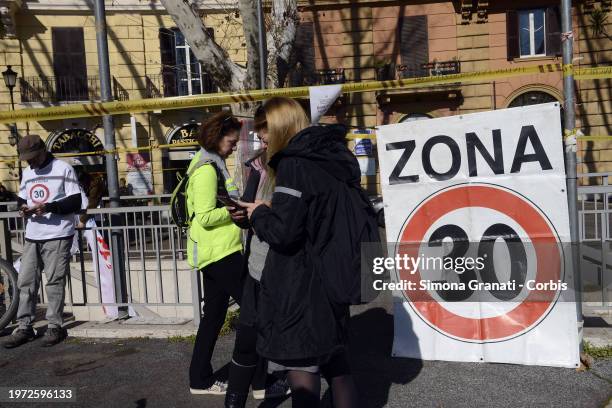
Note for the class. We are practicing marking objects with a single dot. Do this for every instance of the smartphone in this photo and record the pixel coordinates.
(229, 202)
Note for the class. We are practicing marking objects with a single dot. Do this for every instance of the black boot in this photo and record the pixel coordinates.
(233, 400)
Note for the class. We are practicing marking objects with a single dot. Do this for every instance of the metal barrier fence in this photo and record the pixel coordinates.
(159, 282)
(595, 209)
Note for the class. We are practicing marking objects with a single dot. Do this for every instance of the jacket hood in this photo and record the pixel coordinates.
(325, 145)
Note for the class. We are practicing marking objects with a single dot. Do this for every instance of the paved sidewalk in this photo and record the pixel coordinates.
(153, 373)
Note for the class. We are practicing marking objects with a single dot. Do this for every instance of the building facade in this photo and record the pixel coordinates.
(402, 39)
(51, 44)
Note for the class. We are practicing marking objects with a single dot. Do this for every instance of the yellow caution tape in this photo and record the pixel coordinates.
(193, 101)
(593, 73)
(350, 136)
(594, 139)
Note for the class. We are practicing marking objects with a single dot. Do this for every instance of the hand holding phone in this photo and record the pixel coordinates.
(229, 202)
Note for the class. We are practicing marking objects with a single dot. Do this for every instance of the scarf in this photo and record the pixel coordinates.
(212, 157)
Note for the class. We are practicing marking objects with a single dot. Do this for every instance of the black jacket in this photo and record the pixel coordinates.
(296, 320)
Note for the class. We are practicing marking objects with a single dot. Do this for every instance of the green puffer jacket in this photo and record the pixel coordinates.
(212, 234)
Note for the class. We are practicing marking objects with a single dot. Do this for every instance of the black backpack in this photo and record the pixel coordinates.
(351, 248)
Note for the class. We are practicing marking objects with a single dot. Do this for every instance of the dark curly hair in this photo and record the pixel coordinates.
(215, 128)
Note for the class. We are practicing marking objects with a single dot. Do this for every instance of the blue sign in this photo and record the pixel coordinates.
(363, 147)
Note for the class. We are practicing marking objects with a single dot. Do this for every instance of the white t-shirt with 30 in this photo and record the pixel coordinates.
(53, 182)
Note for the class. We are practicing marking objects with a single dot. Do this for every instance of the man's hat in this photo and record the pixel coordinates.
(30, 146)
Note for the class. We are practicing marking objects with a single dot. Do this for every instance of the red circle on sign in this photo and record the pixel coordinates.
(45, 193)
(525, 315)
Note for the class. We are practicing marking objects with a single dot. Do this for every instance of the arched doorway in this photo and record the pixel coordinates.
(176, 159)
(78, 140)
(532, 98)
(535, 97)
(411, 117)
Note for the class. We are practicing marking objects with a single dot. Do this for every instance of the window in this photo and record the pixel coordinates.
(302, 71)
(181, 72)
(414, 46)
(69, 66)
(188, 69)
(413, 117)
(534, 33)
(532, 98)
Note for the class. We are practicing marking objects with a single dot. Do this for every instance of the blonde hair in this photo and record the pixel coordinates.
(284, 119)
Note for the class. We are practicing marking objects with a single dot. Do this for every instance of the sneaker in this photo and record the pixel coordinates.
(19, 337)
(218, 388)
(53, 336)
(279, 388)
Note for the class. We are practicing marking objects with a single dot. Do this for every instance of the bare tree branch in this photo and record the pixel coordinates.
(215, 60)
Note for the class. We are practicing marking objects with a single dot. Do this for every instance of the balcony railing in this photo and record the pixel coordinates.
(330, 76)
(59, 89)
(173, 84)
(435, 68)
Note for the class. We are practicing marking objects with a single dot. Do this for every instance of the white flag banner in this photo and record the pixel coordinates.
(497, 180)
(103, 267)
(321, 99)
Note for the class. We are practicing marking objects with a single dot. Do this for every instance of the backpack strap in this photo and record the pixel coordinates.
(199, 164)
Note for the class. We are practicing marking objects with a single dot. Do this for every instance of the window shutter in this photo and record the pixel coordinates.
(414, 46)
(512, 34)
(553, 31)
(69, 66)
(167, 48)
(304, 64)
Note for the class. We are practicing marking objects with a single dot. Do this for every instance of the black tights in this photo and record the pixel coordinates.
(306, 387)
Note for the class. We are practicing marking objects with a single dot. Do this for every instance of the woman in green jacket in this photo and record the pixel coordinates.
(213, 244)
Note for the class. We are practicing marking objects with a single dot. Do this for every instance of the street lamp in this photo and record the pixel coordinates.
(10, 80)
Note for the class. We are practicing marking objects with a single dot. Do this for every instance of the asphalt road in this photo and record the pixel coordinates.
(153, 373)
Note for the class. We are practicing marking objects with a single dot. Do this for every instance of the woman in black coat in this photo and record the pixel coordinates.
(301, 330)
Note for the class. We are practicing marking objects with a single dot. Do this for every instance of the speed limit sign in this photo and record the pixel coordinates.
(39, 193)
(475, 198)
(486, 189)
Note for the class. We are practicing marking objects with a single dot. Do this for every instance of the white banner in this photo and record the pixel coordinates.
(103, 267)
(484, 178)
(321, 99)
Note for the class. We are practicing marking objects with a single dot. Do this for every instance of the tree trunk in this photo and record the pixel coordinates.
(215, 61)
(248, 12)
(285, 20)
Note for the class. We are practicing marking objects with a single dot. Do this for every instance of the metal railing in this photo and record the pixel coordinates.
(595, 232)
(59, 89)
(169, 84)
(330, 76)
(157, 275)
(434, 68)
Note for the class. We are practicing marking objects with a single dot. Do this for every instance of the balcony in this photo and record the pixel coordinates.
(447, 95)
(57, 90)
(330, 76)
(53, 90)
(436, 68)
(430, 69)
(172, 84)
